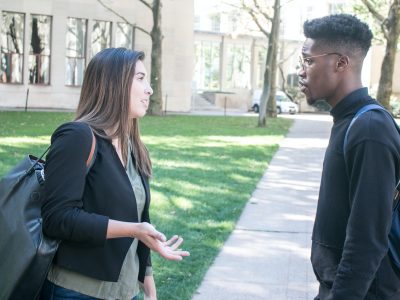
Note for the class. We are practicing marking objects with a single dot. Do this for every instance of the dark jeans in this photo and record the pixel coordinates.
(52, 291)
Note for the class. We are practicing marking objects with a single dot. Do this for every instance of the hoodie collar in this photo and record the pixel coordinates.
(350, 104)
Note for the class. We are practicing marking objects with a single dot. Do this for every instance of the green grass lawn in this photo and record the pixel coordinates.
(205, 169)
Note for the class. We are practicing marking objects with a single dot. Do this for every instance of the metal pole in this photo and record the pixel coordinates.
(26, 100)
(166, 102)
(225, 106)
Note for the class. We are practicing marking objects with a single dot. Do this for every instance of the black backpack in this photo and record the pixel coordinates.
(25, 253)
(394, 234)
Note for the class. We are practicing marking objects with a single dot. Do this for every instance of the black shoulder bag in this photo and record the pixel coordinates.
(25, 253)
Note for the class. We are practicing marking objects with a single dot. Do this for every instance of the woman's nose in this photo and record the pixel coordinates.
(149, 90)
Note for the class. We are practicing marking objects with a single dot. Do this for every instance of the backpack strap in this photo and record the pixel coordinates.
(93, 152)
(357, 115)
(362, 110)
(89, 162)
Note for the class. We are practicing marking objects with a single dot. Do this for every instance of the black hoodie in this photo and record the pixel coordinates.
(353, 219)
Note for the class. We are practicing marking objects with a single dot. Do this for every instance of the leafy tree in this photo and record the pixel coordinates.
(389, 32)
(267, 20)
(155, 107)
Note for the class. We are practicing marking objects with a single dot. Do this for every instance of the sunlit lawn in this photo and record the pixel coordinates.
(205, 169)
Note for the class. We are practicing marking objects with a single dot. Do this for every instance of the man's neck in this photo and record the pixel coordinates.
(345, 88)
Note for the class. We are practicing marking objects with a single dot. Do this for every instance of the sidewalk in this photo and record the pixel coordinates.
(267, 255)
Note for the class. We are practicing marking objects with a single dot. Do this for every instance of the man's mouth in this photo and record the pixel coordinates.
(302, 86)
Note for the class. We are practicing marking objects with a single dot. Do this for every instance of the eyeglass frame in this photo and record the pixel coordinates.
(302, 60)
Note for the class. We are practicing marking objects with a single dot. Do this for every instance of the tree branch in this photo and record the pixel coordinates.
(253, 15)
(123, 18)
(261, 11)
(255, 19)
(286, 3)
(280, 63)
(373, 11)
(145, 3)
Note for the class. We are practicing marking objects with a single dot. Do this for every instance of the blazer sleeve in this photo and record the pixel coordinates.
(65, 176)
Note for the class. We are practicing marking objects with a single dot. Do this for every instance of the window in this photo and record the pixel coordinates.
(196, 22)
(215, 23)
(12, 47)
(234, 18)
(238, 68)
(75, 44)
(207, 65)
(124, 36)
(101, 36)
(39, 55)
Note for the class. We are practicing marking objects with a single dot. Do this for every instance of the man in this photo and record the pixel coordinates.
(353, 219)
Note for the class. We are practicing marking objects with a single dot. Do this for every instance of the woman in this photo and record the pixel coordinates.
(101, 215)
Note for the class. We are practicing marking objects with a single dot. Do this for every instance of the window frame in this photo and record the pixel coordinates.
(132, 35)
(23, 47)
(41, 55)
(91, 36)
(76, 58)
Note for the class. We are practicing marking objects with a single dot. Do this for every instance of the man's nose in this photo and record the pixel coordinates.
(301, 72)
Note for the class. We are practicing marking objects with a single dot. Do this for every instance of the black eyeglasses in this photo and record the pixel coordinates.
(305, 62)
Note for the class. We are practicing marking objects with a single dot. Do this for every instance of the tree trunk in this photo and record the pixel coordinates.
(387, 68)
(269, 87)
(155, 107)
(271, 107)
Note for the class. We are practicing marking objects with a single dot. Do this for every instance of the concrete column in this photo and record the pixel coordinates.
(222, 64)
(253, 65)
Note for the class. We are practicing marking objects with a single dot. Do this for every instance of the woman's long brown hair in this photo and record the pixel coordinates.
(105, 99)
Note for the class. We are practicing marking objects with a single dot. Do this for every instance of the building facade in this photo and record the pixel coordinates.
(46, 45)
(208, 47)
(227, 39)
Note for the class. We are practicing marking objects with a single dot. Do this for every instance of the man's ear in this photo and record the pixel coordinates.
(343, 63)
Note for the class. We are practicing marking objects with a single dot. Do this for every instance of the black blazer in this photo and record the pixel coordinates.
(78, 206)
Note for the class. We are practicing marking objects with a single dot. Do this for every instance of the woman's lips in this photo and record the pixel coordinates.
(145, 103)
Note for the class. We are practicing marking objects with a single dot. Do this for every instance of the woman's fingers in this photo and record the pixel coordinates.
(182, 253)
(174, 255)
(172, 252)
(177, 243)
(171, 240)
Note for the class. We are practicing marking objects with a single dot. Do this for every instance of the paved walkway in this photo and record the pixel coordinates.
(267, 255)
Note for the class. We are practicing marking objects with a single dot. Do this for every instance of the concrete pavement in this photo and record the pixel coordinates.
(267, 255)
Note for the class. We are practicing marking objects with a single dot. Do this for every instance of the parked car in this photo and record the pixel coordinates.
(283, 103)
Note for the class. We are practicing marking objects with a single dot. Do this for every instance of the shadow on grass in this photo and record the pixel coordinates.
(205, 169)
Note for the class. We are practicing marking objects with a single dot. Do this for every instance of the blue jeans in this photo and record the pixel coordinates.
(51, 291)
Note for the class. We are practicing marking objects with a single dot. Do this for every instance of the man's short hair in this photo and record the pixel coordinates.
(340, 30)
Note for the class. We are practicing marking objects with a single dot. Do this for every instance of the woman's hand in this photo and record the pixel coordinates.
(170, 249)
(147, 234)
(142, 231)
(156, 241)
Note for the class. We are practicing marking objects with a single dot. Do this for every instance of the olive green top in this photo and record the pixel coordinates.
(127, 285)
